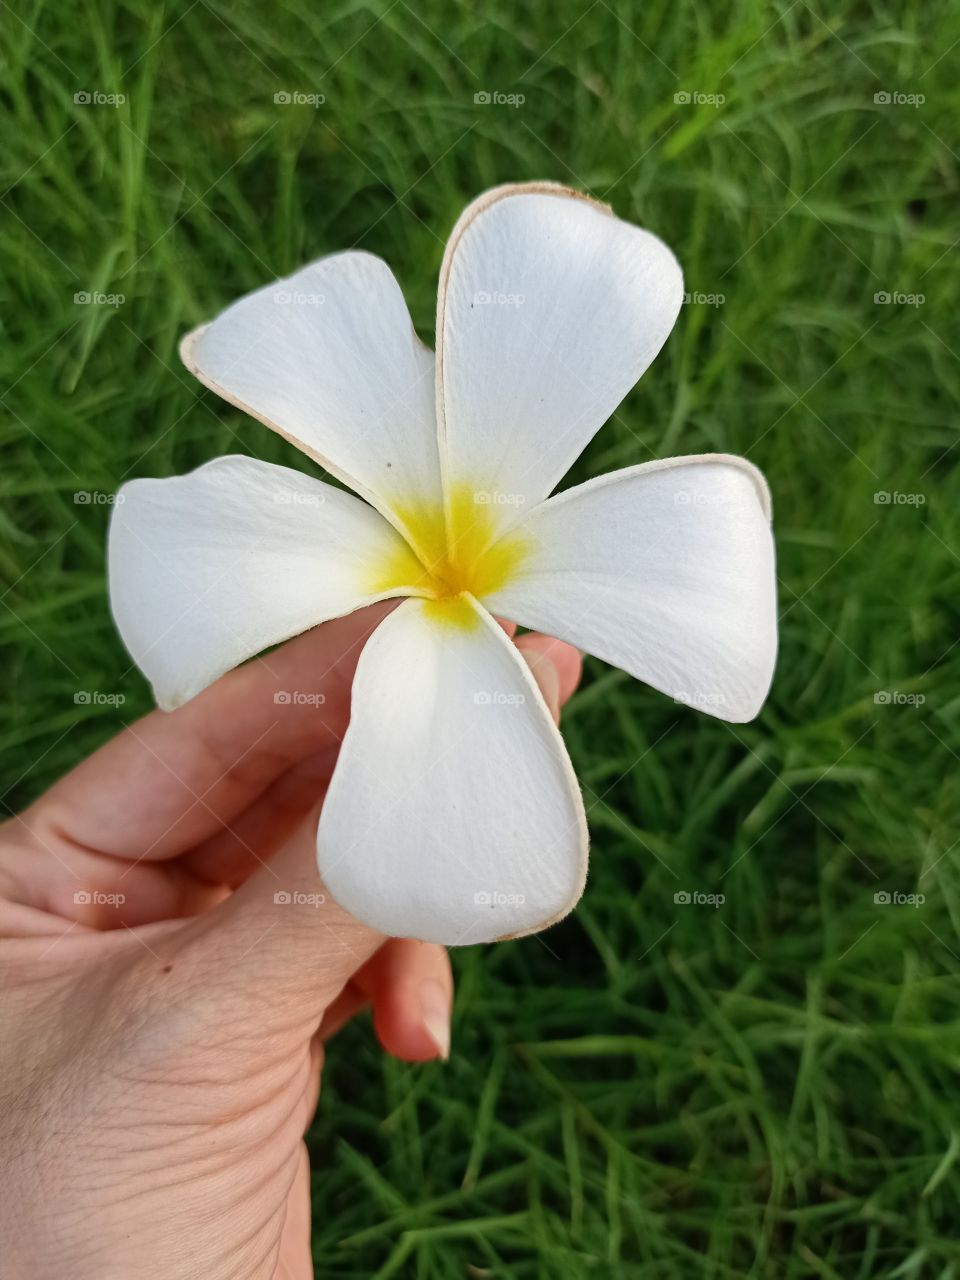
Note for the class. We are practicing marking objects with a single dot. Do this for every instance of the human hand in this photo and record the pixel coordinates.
(171, 970)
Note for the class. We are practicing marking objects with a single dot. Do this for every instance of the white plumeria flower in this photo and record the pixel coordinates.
(454, 814)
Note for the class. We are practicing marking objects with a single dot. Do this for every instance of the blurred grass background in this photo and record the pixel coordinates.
(653, 1088)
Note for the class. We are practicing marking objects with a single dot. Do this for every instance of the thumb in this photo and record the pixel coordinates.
(279, 950)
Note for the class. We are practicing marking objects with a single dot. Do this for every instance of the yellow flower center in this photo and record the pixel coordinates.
(442, 561)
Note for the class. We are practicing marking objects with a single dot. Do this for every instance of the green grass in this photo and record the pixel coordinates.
(767, 1088)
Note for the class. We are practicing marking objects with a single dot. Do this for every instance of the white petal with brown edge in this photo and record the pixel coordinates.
(664, 569)
(549, 310)
(329, 358)
(454, 814)
(210, 568)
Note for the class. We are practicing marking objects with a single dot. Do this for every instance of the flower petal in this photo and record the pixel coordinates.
(329, 359)
(549, 310)
(665, 570)
(209, 568)
(454, 815)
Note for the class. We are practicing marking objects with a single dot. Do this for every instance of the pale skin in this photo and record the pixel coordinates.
(164, 1015)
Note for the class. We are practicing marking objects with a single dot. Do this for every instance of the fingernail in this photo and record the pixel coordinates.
(435, 1014)
(547, 677)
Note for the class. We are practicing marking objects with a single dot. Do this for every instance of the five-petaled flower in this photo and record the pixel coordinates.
(454, 814)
